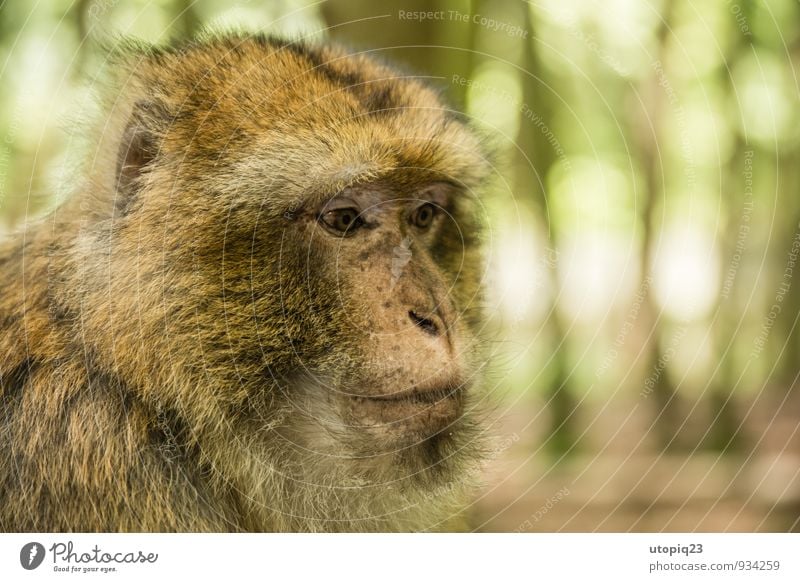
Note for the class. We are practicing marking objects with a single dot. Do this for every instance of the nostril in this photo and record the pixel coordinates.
(425, 324)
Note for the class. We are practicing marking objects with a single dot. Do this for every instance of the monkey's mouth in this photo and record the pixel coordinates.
(422, 397)
(425, 409)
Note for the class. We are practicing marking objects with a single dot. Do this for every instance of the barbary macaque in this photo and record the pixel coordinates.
(214, 331)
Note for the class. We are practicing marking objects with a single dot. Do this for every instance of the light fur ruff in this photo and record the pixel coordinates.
(156, 324)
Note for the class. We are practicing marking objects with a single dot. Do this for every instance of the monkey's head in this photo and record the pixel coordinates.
(289, 248)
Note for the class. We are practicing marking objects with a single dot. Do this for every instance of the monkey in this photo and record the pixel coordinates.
(261, 307)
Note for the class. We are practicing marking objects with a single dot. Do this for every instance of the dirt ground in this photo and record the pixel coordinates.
(619, 485)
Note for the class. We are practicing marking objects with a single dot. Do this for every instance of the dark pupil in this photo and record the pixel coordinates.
(424, 216)
(344, 219)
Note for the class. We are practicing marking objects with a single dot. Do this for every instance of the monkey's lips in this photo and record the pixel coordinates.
(425, 409)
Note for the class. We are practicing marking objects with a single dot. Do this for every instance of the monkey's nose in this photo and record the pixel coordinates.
(429, 323)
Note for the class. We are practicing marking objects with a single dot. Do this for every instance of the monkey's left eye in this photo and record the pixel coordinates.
(423, 216)
(344, 221)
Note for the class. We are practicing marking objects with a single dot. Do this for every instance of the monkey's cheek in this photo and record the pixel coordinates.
(403, 419)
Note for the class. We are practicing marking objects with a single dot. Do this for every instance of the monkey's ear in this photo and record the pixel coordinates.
(139, 145)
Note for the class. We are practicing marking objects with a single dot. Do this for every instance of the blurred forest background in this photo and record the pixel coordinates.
(643, 277)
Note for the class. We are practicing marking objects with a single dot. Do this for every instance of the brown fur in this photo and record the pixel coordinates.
(160, 332)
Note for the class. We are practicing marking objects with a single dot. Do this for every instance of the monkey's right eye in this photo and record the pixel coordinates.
(342, 221)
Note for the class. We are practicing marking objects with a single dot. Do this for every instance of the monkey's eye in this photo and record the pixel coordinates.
(423, 216)
(343, 221)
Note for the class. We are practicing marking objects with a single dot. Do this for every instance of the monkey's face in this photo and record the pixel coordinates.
(305, 225)
(385, 252)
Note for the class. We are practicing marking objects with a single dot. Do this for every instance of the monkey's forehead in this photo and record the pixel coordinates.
(317, 164)
(298, 119)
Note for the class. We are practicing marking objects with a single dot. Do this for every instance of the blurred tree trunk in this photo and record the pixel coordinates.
(788, 188)
(79, 13)
(647, 132)
(187, 22)
(791, 170)
(440, 48)
(534, 159)
(723, 433)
